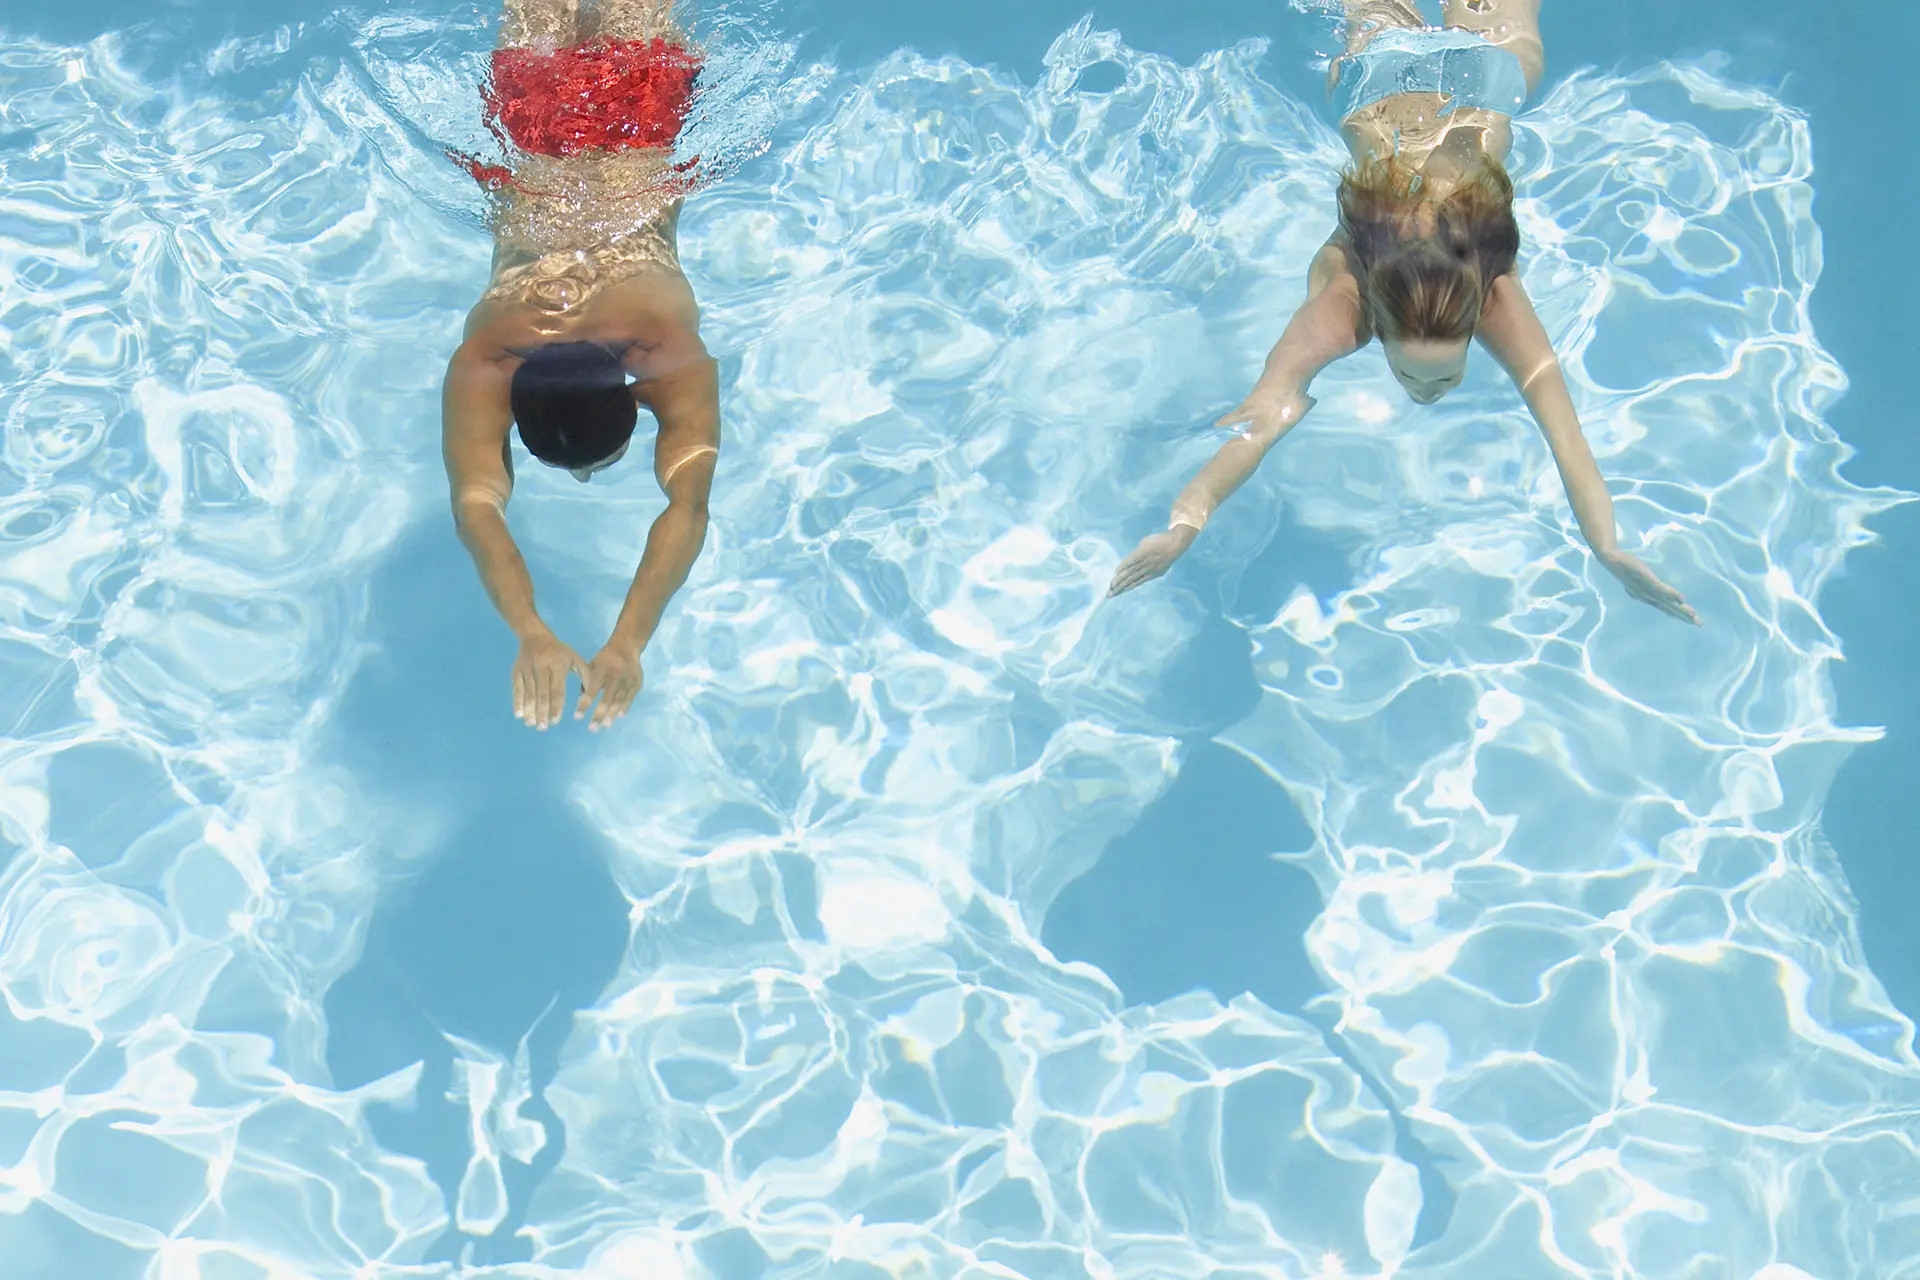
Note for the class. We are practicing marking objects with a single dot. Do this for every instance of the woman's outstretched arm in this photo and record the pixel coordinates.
(1511, 332)
(1328, 327)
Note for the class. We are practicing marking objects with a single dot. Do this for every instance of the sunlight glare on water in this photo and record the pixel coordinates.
(1581, 938)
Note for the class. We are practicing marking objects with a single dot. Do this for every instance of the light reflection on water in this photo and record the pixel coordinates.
(1587, 959)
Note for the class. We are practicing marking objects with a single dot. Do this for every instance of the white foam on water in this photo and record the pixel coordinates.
(1580, 925)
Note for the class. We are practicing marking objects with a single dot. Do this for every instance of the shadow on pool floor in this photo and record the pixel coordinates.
(507, 920)
(1193, 898)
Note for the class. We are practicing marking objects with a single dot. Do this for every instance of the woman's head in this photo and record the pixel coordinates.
(573, 406)
(1426, 265)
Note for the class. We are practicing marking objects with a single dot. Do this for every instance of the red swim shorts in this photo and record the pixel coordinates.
(604, 95)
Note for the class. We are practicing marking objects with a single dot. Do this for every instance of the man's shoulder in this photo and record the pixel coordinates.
(479, 358)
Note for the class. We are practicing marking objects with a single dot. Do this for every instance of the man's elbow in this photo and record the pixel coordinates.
(690, 513)
(473, 508)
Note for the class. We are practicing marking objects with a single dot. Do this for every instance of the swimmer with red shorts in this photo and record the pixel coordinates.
(587, 317)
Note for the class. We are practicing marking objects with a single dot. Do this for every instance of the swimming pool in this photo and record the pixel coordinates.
(922, 920)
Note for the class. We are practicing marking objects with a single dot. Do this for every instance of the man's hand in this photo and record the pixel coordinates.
(1643, 586)
(614, 676)
(1153, 557)
(540, 678)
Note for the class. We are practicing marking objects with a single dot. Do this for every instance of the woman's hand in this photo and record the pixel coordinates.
(1642, 585)
(614, 676)
(540, 678)
(1153, 557)
(1268, 412)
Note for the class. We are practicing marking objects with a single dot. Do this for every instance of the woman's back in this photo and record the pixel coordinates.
(1438, 99)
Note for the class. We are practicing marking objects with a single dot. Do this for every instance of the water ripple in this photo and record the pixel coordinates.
(1580, 927)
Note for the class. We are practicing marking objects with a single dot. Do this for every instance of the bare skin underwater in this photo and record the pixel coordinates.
(585, 259)
(1424, 164)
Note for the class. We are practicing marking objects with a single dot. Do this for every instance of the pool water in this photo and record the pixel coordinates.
(1382, 893)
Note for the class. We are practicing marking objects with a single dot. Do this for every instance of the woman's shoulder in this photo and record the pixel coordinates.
(1506, 294)
(1332, 263)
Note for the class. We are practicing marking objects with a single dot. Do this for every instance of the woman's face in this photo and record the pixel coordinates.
(1428, 370)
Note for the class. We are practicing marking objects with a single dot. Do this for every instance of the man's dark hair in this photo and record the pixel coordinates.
(572, 404)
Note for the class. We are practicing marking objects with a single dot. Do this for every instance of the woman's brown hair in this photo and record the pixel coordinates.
(1429, 285)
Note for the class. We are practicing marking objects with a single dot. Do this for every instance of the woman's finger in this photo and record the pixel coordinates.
(1131, 575)
(1668, 601)
(519, 692)
(1645, 586)
(1666, 597)
(587, 681)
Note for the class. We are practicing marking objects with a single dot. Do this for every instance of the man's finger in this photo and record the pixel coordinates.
(623, 702)
(606, 710)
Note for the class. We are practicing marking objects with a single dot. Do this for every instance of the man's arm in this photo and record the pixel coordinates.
(1511, 331)
(687, 406)
(686, 403)
(473, 441)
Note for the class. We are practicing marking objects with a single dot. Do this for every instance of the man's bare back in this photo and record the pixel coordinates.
(587, 318)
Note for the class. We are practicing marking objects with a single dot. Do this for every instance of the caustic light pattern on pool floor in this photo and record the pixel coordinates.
(1588, 959)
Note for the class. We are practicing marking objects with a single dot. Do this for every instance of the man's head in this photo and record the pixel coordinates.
(573, 406)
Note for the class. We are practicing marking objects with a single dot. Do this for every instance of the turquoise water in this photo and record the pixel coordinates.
(1381, 894)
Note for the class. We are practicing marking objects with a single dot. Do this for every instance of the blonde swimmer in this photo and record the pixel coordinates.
(1423, 260)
